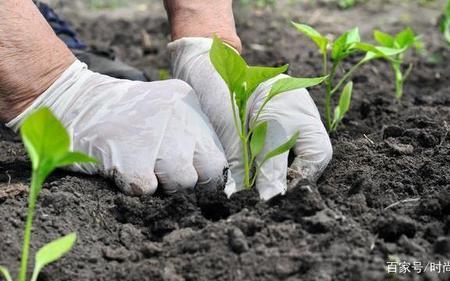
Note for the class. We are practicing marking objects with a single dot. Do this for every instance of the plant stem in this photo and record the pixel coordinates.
(35, 185)
(329, 83)
(347, 75)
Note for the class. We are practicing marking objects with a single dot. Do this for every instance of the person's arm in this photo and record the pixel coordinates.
(31, 57)
(203, 18)
(144, 134)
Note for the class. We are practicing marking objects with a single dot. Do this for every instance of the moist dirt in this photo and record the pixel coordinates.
(384, 197)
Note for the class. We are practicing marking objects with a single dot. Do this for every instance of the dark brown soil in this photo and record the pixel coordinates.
(344, 228)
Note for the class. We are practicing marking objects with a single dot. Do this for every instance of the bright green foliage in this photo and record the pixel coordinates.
(444, 23)
(52, 252)
(48, 146)
(345, 4)
(242, 80)
(343, 106)
(346, 45)
(404, 40)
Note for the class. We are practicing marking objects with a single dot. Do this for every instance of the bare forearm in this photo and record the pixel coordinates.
(31, 56)
(203, 18)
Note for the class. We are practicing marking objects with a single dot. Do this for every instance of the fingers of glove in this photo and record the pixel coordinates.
(313, 149)
(127, 165)
(271, 177)
(191, 63)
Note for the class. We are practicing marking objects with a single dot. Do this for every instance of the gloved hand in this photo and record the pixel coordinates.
(286, 114)
(143, 134)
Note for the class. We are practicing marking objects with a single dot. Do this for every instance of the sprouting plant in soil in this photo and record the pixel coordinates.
(346, 45)
(48, 146)
(404, 40)
(242, 81)
(444, 23)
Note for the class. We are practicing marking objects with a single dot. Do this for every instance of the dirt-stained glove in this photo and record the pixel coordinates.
(144, 134)
(286, 114)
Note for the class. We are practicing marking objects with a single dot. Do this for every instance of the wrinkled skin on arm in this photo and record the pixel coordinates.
(32, 57)
(203, 18)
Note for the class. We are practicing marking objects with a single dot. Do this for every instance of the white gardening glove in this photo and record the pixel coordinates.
(144, 134)
(286, 114)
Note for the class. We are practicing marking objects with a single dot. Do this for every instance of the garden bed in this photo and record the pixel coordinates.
(384, 197)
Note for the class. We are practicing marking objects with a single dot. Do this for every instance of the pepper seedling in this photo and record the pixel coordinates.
(444, 23)
(404, 40)
(48, 145)
(346, 45)
(242, 81)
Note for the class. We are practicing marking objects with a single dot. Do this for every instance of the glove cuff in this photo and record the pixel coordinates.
(52, 95)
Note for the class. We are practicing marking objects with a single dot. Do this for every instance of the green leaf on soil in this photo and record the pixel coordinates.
(344, 105)
(52, 252)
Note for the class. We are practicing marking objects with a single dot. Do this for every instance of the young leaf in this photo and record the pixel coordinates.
(342, 45)
(256, 75)
(405, 39)
(228, 63)
(291, 83)
(75, 157)
(375, 52)
(48, 143)
(384, 39)
(4, 271)
(52, 252)
(314, 35)
(285, 147)
(258, 139)
(344, 104)
(45, 138)
(444, 23)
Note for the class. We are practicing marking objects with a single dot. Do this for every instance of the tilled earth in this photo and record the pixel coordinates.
(384, 198)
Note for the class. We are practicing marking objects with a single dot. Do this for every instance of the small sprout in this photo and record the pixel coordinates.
(346, 45)
(48, 145)
(444, 23)
(404, 40)
(242, 80)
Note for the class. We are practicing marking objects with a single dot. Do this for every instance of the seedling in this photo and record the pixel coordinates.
(346, 45)
(444, 23)
(48, 144)
(404, 40)
(242, 81)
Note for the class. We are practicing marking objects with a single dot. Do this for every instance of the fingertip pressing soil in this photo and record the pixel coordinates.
(384, 196)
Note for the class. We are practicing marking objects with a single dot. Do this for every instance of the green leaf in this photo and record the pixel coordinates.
(285, 147)
(258, 139)
(75, 157)
(344, 104)
(228, 63)
(405, 39)
(384, 39)
(255, 75)
(52, 252)
(314, 35)
(45, 138)
(4, 271)
(48, 143)
(292, 83)
(342, 47)
(375, 52)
